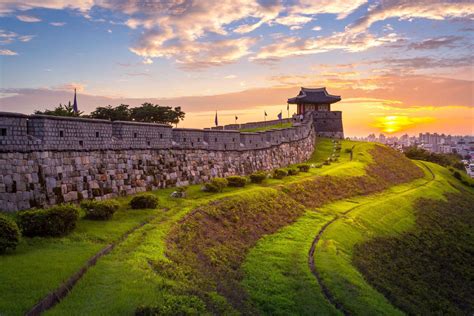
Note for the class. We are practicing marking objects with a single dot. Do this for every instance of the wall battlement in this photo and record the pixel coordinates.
(45, 160)
(22, 133)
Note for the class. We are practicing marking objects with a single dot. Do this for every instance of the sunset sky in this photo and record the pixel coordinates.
(399, 66)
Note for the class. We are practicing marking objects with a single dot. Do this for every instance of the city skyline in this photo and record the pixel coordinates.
(400, 67)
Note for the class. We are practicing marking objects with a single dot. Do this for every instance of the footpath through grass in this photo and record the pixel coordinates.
(388, 214)
(277, 276)
(151, 266)
(128, 276)
(40, 265)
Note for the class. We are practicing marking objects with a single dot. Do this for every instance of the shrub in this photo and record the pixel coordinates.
(457, 175)
(180, 192)
(292, 171)
(279, 173)
(144, 201)
(237, 181)
(318, 165)
(100, 210)
(216, 185)
(258, 177)
(327, 162)
(303, 167)
(55, 221)
(9, 234)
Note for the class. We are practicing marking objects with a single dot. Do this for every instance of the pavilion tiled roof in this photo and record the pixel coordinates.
(314, 96)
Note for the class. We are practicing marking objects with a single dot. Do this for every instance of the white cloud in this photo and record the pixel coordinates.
(10, 6)
(406, 10)
(57, 23)
(340, 7)
(295, 46)
(317, 28)
(230, 77)
(80, 87)
(7, 37)
(7, 52)
(195, 55)
(28, 18)
(294, 20)
(26, 38)
(109, 31)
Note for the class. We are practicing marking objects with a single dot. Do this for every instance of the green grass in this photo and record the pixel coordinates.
(141, 270)
(428, 269)
(126, 274)
(266, 128)
(277, 275)
(40, 265)
(388, 214)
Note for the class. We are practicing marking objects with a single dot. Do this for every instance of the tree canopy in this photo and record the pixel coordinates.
(61, 110)
(147, 112)
(445, 160)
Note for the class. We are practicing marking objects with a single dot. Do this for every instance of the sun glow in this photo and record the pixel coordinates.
(393, 123)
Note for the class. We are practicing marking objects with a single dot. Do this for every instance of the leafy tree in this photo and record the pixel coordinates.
(118, 113)
(61, 110)
(441, 159)
(153, 113)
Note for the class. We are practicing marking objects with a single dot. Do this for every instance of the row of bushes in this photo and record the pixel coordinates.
(218, 184)
(60, 220)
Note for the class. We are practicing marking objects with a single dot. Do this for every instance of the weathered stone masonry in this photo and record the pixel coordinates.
(46, 160)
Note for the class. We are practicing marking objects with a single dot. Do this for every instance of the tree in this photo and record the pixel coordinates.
(61, 110)
(118, 113)
(153, 113)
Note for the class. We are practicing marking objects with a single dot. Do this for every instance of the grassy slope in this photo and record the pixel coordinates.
(266, 128)
(39, 265)
(277, 276)
(130, 275)
(385, 215)
(426, 270)
(126, 275)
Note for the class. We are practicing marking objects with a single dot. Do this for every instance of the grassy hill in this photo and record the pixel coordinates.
(305, 245)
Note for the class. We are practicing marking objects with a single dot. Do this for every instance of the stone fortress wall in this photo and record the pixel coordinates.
(45, 160)
(328, 124)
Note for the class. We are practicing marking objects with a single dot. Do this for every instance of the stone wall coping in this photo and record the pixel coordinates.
(13, 114)
(141, 123)
(183, 129)
(65, 118)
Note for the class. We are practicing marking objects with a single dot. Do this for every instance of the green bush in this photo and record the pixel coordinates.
(99, 210)
(58, 220)
(303, 167)
(237, 181)
(216, 185)
(279, 173)
(327, 162)
(292, 171)
(141, 201)
(258, 177)
(9, 234)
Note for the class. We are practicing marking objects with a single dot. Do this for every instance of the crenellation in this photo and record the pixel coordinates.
(47, 160)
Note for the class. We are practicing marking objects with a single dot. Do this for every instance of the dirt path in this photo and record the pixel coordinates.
(311, 256)
(54, 297)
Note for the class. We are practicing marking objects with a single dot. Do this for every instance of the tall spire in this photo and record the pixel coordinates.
(74, 105)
